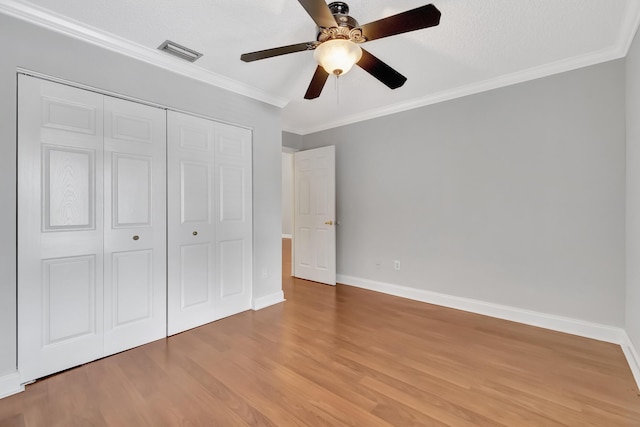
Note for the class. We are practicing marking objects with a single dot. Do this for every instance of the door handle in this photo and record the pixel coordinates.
(328, 222)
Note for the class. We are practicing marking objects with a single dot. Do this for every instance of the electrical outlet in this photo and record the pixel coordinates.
(265, 273)
(396, 265)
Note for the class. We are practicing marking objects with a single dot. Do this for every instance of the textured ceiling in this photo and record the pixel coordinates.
(478, 45)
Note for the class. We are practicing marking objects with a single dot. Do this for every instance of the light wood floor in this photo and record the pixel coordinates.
(342, 356)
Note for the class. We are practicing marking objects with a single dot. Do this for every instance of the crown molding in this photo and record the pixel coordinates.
(60, 24)
(297, 131)
(629, 27)
(475, 88)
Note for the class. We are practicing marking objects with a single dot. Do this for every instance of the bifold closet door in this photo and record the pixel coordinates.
(135, 290)
(91, 226)
(60, 227)
(234, 221)
(191, 214)
(209, 221)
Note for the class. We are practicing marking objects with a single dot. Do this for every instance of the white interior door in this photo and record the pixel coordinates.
(210, 221)
(60, 227)
(314, 238)
(135, 286)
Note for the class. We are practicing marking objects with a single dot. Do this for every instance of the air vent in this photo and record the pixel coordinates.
(180, 51)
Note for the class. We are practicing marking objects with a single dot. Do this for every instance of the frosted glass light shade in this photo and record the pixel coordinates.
(337, 56)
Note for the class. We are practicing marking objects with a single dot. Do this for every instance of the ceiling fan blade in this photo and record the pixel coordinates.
(277, 51)
(319, 12)
(381, 71)
(317, 83)
(411, 20)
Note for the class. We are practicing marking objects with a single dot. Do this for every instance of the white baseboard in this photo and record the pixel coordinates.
(548, 321)
(631, 354)
(10, 384)
(269, 300)
(534, 318)
(287, 236)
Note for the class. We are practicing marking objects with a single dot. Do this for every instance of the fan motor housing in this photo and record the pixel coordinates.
(347, 27)
(339, 7)
(340, 11)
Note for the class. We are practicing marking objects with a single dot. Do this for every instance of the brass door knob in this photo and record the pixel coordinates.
(328, 222)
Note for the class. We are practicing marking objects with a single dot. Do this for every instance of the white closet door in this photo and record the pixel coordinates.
(91, 226)
(135, 224)
(60, 227)
(191, 210)
(234, 221)
(210, 221)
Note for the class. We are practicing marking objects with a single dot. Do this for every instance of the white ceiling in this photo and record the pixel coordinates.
(479, 45)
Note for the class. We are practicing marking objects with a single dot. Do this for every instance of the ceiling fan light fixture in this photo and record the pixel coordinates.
(337, 56)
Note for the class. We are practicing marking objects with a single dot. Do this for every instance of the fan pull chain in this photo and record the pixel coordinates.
(338, 89)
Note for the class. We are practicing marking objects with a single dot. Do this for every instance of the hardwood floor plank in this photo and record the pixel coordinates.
(429, 404)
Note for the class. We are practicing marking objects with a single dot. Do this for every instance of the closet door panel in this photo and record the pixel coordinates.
(60, 315)
(132, 191)
(195, 277)
(68, 298)
(191, 231)
(69, 190)
(132, 283)
(233, 219)
(195, 192)
(232, 280)
(135, 224)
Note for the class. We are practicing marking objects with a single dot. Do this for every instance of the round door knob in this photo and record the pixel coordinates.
(195, 233)
(136, 237)
(329, 222)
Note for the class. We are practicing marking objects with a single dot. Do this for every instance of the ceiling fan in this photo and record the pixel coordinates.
(337, 49)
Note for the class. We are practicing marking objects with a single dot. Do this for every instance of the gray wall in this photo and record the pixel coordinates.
(633, 192)
(292, 140)
(514, 196)
(47, 52)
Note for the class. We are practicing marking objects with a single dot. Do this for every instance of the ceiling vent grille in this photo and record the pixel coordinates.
(180, 51)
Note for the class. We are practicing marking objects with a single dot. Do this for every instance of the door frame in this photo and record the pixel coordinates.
(289, 150)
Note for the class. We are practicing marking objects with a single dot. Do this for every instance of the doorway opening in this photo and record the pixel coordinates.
(287, 211)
